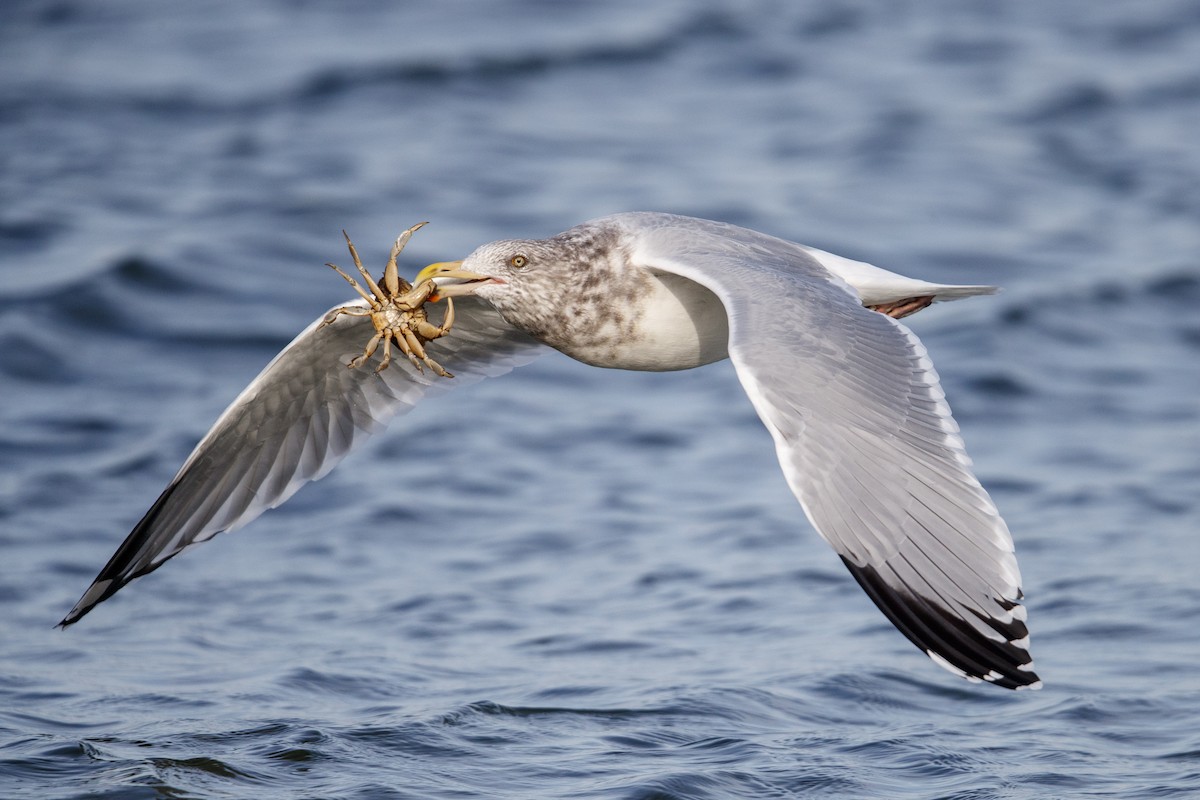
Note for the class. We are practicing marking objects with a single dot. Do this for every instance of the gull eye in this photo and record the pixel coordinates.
(518, 261)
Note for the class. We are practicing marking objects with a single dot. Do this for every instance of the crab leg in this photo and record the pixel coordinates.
(353, 283)
(352, 311)
(363, 270)
(418, 349)
(437, 368)
(411, 346)
(427, 330)
(391, 279)
(387, 351)
(448, 319)
(367, 352)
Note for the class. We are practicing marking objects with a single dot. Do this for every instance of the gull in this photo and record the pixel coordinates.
(860, 423)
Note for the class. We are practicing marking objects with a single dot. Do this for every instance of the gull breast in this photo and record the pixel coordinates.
(670, 323)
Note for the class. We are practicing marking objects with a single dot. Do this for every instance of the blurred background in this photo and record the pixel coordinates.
(567, 581)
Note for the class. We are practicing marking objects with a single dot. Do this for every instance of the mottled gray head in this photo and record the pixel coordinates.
(552, 288)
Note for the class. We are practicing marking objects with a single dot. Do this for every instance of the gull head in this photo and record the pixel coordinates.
(575, 292)
(516, 274)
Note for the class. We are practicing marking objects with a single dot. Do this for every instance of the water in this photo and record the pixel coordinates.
(569, 582)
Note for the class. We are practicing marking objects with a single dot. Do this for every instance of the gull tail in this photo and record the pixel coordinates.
(879, 287)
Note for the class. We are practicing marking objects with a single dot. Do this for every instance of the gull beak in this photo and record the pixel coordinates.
(451, 279)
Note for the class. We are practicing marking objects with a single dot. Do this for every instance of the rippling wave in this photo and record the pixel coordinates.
(570, 582)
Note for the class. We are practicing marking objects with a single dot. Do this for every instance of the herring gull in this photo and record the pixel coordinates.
(861, 426)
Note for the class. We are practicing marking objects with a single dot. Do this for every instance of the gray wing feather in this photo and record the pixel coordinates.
(865, 439)
(294, 423)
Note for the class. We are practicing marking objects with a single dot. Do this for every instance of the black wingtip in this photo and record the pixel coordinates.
(101, 589)
(123, 566)
(950, 641)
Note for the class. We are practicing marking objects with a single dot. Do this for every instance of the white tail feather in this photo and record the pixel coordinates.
(878, 286)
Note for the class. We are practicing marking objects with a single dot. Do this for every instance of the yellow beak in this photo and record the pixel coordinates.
(452, 270)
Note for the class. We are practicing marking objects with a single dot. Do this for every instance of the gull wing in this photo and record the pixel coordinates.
(293, 423)
(865, 439)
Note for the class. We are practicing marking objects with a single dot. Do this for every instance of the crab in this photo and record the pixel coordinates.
(397, 310)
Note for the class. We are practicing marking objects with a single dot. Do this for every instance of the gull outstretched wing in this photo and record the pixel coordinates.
(293, 423)
(865, 439)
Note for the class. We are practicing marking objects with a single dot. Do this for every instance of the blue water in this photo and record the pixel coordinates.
(569, 582)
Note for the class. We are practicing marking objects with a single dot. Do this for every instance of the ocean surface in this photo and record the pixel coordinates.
(569, 582)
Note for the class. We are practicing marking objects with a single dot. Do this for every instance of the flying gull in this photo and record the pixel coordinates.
(860, 422)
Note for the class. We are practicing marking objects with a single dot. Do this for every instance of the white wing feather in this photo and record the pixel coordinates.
(865, 439)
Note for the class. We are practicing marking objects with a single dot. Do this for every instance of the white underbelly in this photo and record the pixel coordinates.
(678, 324)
